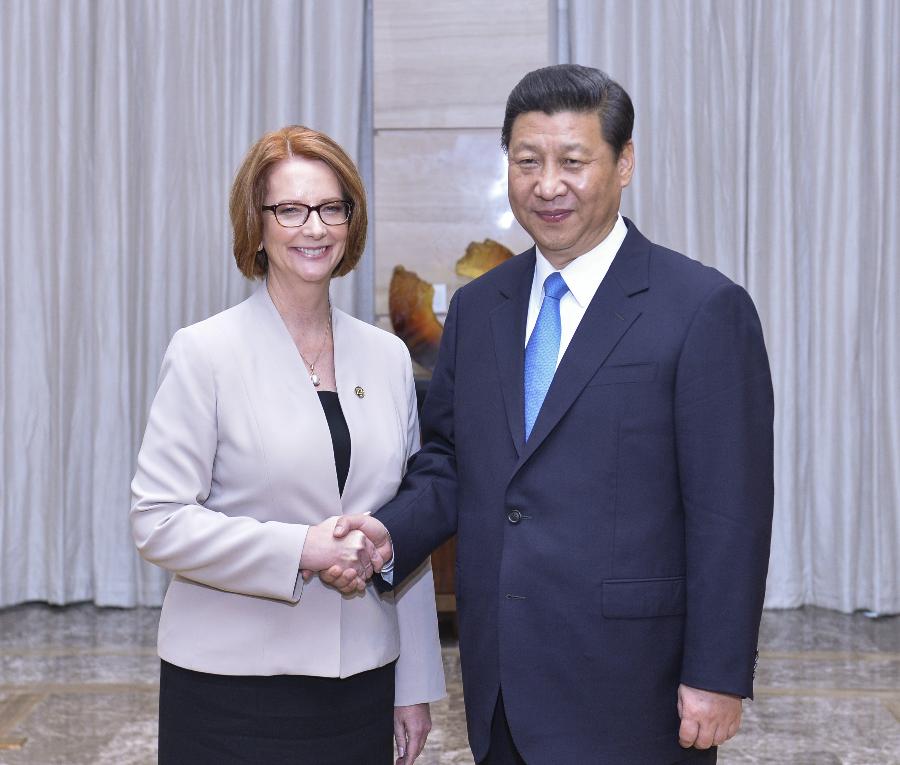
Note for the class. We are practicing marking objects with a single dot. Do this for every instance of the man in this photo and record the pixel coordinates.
(598, 434)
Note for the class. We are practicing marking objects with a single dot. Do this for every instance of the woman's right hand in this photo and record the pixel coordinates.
(322, 550)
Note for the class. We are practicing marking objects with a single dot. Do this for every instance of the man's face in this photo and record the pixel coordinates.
(564, 182)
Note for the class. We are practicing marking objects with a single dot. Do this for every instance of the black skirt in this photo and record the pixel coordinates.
(296, 719)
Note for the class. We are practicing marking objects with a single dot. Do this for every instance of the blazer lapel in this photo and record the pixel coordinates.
(608, 317)
(508, 327)
(283, 383)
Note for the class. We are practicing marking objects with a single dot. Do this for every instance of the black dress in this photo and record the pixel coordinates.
(207, 719)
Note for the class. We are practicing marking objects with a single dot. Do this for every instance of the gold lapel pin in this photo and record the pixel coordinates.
(360, 393)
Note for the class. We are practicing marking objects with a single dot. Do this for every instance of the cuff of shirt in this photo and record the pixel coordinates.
(387, 573)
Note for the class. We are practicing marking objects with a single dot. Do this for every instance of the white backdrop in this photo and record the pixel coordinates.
(122, 125)
(767, 145)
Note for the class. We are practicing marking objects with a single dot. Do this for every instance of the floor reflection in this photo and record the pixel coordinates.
(78, 686)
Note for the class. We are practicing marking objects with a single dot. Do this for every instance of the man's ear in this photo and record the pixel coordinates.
(625, 164)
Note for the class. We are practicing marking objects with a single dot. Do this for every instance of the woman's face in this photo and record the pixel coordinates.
(310, 252)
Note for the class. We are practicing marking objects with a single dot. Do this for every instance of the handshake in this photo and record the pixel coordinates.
(346, 550)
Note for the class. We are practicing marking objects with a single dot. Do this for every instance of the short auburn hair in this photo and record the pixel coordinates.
(249, 190)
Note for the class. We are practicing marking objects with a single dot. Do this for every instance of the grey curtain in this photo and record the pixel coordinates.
(122, 125)
(767, 146)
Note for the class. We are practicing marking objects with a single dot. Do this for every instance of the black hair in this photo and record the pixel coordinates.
(573, 88)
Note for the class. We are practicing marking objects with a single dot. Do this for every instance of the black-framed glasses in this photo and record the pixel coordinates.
(294, 214)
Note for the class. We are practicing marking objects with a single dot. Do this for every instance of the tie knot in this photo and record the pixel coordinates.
(555, 286)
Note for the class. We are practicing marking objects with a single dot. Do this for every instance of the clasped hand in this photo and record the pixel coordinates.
(346, 550)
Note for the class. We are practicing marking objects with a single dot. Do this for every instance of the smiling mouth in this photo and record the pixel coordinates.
(553, 216)
(311, 252)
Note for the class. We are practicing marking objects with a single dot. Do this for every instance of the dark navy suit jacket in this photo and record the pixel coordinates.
(623, 549)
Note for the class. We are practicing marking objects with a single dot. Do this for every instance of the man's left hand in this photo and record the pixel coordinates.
(707, 718)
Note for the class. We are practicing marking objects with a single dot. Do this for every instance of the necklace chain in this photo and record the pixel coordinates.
(313, 375)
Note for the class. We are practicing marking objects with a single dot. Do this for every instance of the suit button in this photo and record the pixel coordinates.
(514, 516)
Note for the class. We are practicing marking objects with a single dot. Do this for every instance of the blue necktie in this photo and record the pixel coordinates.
(543, 349)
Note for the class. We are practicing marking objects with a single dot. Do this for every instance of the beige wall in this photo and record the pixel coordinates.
(442, 75)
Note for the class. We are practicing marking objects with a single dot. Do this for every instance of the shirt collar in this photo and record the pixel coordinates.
(584, 274)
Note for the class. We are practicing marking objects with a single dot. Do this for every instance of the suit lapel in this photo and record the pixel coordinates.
(508, 327)
(608, 317)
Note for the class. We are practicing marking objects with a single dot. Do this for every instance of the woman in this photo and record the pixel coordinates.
(271, 419)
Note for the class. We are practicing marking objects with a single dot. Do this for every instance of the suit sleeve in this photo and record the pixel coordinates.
(423, 514)
(170, 524)
(724, 440)
(419, 675)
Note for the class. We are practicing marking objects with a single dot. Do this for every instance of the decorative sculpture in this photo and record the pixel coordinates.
(410, 300)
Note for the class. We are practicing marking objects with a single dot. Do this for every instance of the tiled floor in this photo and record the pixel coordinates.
(78, 687)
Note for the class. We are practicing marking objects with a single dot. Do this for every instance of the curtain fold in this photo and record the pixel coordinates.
(122, 126)
(767, 147)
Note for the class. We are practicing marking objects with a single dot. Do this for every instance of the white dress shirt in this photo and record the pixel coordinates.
(582, 276)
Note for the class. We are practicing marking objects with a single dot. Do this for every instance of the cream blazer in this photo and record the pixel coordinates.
(236, 464)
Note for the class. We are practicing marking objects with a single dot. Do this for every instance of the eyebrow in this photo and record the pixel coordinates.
(308, 204)
(574, 146)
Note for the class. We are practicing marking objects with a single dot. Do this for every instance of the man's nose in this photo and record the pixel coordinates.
(550, 183)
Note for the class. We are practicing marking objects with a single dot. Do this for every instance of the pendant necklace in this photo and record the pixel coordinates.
(313, 375)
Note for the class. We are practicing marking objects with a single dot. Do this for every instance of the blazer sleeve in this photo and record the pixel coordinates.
(724, 439)
(171, 526)
(419, 676)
